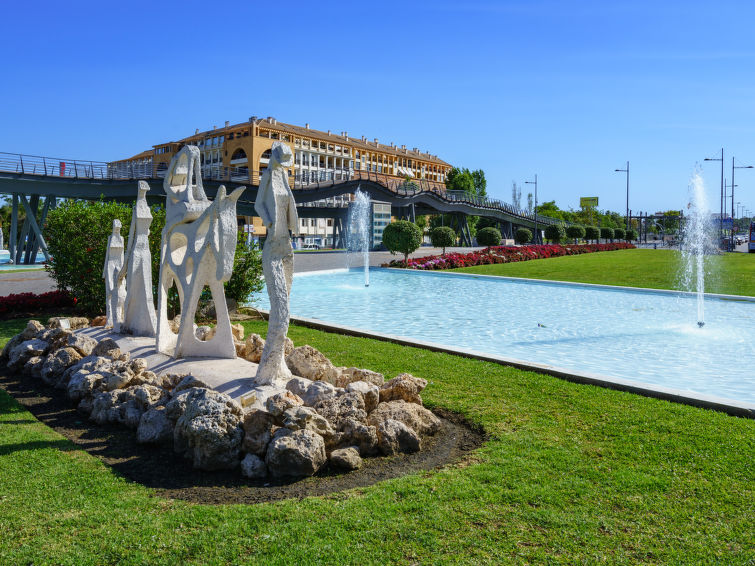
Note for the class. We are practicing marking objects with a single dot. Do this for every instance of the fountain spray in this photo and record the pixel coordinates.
(359, 230)
(696, 239)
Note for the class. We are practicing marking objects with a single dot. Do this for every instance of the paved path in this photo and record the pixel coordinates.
(37, 281)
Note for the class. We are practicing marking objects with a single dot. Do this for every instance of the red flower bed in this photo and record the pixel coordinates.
(505, 254)
(25, 302)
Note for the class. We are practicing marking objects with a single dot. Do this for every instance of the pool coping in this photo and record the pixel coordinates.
(728, 406)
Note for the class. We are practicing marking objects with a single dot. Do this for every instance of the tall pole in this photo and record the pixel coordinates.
(721, 215)
(627, 172)
(731, 239)
(537, 238)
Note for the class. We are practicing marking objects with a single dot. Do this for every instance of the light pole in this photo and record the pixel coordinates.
(721, 217)
(534, 183)
(731, 240)
(627, 172)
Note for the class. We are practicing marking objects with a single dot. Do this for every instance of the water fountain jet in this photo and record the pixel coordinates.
(696, 238)
(358, 239)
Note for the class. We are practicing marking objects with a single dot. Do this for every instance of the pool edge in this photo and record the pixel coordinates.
(728, 406)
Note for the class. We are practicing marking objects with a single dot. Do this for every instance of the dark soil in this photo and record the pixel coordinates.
(171, 476)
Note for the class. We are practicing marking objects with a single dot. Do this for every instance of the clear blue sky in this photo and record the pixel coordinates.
(566, 90)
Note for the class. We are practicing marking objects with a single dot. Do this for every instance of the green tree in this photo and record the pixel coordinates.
(618, 233)
(480, 184)
(555, 233)
(631, 235)
(576, 231)
(592, 232)
(460, 180)
(522, 236)
(442, 237)
(246, 278)
(403, 237)
(606, 233)
(489, 237)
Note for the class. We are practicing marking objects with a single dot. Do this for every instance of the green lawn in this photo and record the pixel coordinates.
(572, 474)
(731, 273)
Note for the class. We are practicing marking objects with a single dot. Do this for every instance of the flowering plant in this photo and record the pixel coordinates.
(26, 302)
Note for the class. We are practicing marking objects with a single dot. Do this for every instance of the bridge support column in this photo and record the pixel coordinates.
(466, 235)
(413, 217)
(13, 236)
(31, 228)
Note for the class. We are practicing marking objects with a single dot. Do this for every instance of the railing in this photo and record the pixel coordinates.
(305, 180)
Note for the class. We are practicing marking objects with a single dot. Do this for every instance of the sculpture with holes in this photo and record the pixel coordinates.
(197, 249)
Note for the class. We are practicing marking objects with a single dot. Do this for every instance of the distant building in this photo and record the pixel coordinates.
(243, 152)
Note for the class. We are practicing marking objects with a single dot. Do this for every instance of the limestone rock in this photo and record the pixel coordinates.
(316, 392)
(109, 348)
(83, 384)
(238, 332)
(99, 321)
(347, 406)
(138, 365)
(88, 365)
(57, 337)
(85, 405)
(298, 386)
(346, 459)
(202, 332)
(253, 348)
(253, 467)
(297, 418)
(370, 393)
(280, 402)
(57, 362)
(33, 366)
(209, 430)
(177, 405)
(175, 324)
(84, 345)
(308, 362)
(405, 387)
(412, 415)
(21, 353)
(167, 381)
(352, 432)
(33, 327)
(154, 427)
(350, 375)
(187, 382)
(10, 345)
(394, 437)
(149, 395)
(295, 453)
(112, 380)
(258, 427)
(68, 322)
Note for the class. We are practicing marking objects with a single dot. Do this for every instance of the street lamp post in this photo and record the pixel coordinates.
(627, 172)
(721, 217)
(534, 183)
(732, 197)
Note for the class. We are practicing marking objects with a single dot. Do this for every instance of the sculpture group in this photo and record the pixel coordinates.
(197, 249)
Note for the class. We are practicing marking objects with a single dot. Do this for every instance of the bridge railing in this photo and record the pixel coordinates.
(305, 180)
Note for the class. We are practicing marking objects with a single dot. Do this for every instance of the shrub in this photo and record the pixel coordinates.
(403, 237)
(576, 231)
(606, 233)
(630, 235)
(522, 236)
(246, 278)
(618, 233)
(489, 237)
(555, 233)
(29, 302)
(592, 232)
(442, 237)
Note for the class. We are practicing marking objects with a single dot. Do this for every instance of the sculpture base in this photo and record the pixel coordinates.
(234, 377)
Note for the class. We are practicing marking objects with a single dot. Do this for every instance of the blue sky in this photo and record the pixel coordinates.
(566, 90)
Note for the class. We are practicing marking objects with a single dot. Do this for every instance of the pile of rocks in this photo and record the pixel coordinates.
(326, 414)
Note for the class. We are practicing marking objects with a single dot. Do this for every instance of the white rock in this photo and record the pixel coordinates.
(346, 458)
(253, 467)
(295, 454)
(370, 393)
(154, 427)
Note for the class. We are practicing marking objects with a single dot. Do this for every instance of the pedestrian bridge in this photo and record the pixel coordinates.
(29, 179)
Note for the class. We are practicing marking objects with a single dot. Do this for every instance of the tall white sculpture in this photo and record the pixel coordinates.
(197, 249)
(115, 286)
(276, 207)
(139, 310)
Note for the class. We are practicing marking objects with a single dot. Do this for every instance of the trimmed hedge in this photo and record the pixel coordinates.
(523, 236)
(489, 237)
(442, 237)
(403, 237)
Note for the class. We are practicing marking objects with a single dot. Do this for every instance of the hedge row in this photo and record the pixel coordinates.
(506, 254)
(29, 302)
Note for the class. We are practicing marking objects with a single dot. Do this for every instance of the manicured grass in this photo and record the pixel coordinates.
(572, 474)
(731, 273)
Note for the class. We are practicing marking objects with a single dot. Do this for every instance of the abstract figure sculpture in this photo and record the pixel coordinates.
(115, 286)
(139, 310)
(276, 207)
(197, 249)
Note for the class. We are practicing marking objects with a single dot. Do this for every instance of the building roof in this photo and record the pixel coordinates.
(142, 155)
(273, 124)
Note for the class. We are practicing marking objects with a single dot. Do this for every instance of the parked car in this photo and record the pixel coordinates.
(311, 247)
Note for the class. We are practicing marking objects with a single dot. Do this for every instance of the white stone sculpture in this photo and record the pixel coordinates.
(197, 249)
(139, 316)
(276, 207)
(115, 287)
